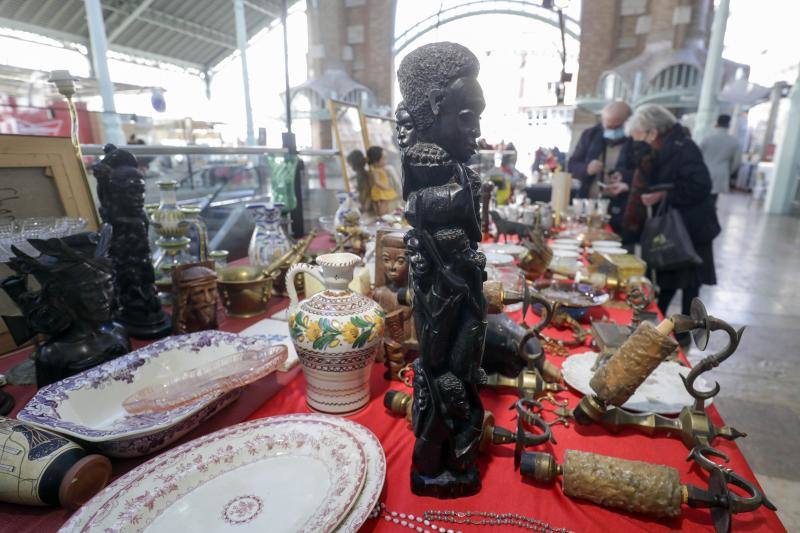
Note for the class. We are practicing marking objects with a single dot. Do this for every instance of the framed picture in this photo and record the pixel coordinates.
(39, 177)
(380, 131)
(42, 176)
(348, 132)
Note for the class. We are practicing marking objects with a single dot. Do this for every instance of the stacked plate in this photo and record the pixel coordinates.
(301, 472)
(608, 247)
(515, 250)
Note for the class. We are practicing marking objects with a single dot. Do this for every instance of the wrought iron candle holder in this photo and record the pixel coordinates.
(401, 403)
(693, 423)
(645, 488)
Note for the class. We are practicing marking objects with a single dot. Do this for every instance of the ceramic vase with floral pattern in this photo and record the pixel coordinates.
(348, 204)
(269, 241)
(336, 333)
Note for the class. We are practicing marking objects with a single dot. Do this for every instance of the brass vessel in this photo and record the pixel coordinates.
(245, 290)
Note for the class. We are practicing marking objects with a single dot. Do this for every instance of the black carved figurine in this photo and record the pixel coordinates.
(73, 308)
(444, 100)
(120, 188)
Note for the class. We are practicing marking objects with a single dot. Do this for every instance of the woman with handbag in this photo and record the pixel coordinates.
(671, 176)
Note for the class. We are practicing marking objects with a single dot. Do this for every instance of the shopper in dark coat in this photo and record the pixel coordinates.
(591, 159)
(677, 163)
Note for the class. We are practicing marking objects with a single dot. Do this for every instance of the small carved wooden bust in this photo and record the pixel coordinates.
(391, 277)
(196, 297)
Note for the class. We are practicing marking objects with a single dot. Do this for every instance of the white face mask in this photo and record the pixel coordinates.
(614, 134)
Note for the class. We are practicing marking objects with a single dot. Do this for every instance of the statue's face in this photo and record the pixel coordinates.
(395, 265)
(405, 129)
(131, 185)
(91, 299)
(202, 302)
(458, 124)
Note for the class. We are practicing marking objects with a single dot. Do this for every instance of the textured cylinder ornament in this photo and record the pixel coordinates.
(636, 359)
(633, 486)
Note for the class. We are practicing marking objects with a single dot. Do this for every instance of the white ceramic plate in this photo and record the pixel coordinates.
(88, 406)
(567, 242)
(606, 244)
(561, 252)
(499, 259)
(275, 474)
(376, 469)
(610, 251)
(501, 248)
(662, 392)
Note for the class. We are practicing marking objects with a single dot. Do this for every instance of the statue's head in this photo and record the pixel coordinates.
(393, 258)
(196, 289)
(125, 182)
(404, 126)
(75, 275)
(440, 89)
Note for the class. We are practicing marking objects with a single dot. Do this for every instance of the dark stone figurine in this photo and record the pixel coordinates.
(120, 188)
(444, 101)
(73, 309)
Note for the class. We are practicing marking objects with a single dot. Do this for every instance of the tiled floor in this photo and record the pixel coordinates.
(757, 257)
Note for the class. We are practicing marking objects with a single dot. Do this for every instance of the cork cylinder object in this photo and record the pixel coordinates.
(633, 486)
(639, 355)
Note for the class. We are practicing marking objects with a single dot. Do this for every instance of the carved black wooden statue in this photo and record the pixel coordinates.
(120, 187)
(444, 100)
(73, 309)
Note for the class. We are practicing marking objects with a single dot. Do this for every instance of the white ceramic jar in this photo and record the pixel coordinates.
(336, 333)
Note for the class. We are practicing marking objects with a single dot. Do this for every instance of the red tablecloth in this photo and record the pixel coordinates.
(503, 489)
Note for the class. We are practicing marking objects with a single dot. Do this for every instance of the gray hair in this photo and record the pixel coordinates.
(650, 117)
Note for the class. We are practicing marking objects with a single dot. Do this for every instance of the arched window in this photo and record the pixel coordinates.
(613, 87)
(674, 78)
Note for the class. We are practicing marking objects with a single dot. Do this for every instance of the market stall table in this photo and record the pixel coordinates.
(503, 488)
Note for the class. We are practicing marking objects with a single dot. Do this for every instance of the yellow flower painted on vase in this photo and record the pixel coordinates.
(350, 332)
(292, 323)
(313, 331)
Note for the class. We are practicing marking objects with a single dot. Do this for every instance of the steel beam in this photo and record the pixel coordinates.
(241, 38)
(128, 20)
(97, 36)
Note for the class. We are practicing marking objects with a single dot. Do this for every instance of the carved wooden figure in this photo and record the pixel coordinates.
(195, 292)
(73, 309)
(120, 188)
(441, 93)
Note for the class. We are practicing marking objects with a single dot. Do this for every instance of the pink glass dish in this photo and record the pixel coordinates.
(222, 376)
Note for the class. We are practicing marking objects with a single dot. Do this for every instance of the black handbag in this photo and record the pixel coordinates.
(666, 244)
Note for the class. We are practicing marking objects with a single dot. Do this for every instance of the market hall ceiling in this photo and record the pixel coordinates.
(194, 34)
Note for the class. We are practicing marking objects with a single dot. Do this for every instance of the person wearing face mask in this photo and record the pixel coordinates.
(600, 155)
(670, 168)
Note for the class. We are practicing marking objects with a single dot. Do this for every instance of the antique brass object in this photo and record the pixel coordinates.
(645, 488)
(277, 269)
(529, 383)
(696, 429)
(609, 336)
(401, 403)
(617, 268)
(245, 290)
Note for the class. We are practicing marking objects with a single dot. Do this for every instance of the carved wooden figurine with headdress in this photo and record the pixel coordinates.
(442, 96)
(73, 309)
